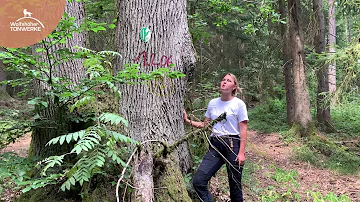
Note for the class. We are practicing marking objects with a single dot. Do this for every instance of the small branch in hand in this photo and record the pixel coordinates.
(168, 149)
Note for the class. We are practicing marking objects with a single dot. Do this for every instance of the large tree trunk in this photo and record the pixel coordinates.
(323, 106)
(154, 111)
(332, 43)
(302, 114)
(53, 120)
(286, 54)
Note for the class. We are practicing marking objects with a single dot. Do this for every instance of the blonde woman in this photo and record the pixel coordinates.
(227, 140)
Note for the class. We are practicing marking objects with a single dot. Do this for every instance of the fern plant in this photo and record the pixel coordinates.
(95, 146)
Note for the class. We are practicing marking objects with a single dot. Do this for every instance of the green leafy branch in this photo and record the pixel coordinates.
(94, 146)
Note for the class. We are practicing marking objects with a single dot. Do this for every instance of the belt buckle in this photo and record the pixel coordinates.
(231, 143)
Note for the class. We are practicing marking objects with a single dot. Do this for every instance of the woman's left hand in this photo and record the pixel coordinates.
(241, 159)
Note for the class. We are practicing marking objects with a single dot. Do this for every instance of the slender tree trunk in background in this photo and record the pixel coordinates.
(332, 44)
(4, 95)
(286, 54)
(323, 106)
(155, 112)
(302, 116)
(2, 77)
(53, 119)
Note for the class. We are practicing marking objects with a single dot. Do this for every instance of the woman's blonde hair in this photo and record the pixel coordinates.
(237, 89)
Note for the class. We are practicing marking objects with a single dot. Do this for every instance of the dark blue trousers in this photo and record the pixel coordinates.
(227, 150)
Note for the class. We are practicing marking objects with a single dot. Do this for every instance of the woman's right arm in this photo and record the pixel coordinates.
(196, 124)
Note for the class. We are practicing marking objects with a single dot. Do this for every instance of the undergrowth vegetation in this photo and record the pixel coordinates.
(346, 119)
(269, 116)
(340, 154)
(14, 121)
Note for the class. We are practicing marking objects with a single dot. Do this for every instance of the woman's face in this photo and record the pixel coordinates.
(227, 84)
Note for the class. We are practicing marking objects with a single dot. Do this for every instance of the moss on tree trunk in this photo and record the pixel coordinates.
(300, 131)
(169, 182)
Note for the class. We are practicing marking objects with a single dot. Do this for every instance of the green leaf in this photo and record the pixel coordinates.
(45, 104)
(77, 149)
(28, 188)
(37, 116)
(112, 26)
(63, 187)
(85, 148)
(72, 181)
(120, 162)
(78, 134)
(68, 138)
(38, 50)
(62, 139)
(63, 41)
(65, 94)
(110, 153)
(34, 101)
(53, 141)
(67, 184)
(101, 28)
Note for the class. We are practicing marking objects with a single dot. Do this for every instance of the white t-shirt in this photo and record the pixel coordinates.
(235, 112)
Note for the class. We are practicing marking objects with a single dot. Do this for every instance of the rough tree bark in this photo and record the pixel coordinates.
(302, 116)
(286, 54)
(154, 111)
(323, 106)
(332, 43)
(53, 119)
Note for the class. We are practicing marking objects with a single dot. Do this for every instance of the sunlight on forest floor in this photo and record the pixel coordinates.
(20, 147)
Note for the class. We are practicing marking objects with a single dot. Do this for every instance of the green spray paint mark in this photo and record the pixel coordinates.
(145, 34)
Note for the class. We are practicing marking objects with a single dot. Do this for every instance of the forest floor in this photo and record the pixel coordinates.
(265, 152)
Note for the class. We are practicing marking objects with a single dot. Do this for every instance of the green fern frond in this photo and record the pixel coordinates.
(114, 157)
(51, 162)
(121, 138)
(82, 102)
(85, 168)
(113, 119)
(88, 141)
(68, 137)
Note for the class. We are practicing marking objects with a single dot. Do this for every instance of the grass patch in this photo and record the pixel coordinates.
(269, 117)
(305, 154)
(346, 118)
(343, 162)
(327, 155)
